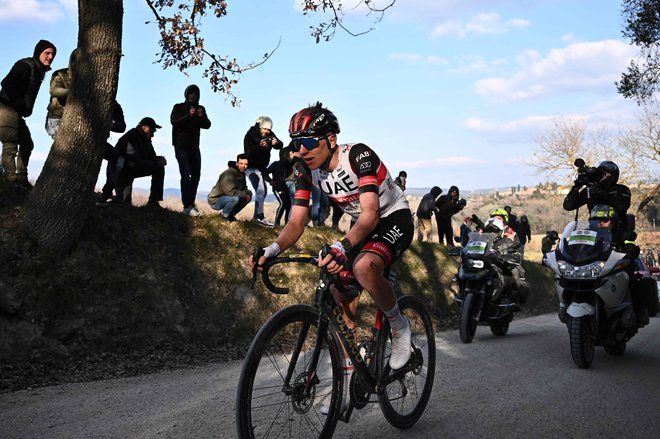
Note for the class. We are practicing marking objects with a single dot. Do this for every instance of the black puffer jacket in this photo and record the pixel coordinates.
(258, 157)
(448, 206)
(427, 206)
(186, 128)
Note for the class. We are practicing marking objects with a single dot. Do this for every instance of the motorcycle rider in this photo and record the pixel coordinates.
(509, 258)
(603, 191)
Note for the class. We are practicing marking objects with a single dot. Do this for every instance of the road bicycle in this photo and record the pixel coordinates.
(294, 366)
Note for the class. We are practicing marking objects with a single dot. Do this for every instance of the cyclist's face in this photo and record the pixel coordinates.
(316, 156)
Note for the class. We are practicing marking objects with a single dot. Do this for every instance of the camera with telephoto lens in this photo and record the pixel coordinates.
(587, 175)
(266, 140)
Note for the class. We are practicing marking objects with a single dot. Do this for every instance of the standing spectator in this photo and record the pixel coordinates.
(448, 205)
(140, 160)
(425, 209)
(113, 156)
(293, 156)
(17, 95)
(466, 228)
(60, 84)
(513, 219)
(524, 233)
(187, 119)
(400, 180)
(230, 194)
(258, 142)
(276, 175)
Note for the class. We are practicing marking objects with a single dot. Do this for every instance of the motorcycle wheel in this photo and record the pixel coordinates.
(469, 318)
(500, 327)
(582, 341)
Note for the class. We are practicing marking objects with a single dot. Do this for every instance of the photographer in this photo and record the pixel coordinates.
(594, 186)
(188, 118)
(257, 144)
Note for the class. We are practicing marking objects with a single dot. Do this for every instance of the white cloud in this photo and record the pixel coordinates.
(48, 11)
(590, 66)
(481, 24)
(477, 65)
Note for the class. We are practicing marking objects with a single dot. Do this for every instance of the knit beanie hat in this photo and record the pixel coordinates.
(43, 45)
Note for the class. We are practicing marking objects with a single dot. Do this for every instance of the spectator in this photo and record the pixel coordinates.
(513, 219)
(425, 209)
(113, 156)
(319, 201)
(293, 156)
(524, 233)
(230, 194)
(400, 180)
(60, 83)
(276, 175)
(549, 240)
(17, 95)
(466, 228)
(187, 119)
(448, 205)
(258, 142)
(140, 160)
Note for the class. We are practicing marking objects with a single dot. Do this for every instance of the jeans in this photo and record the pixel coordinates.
(229, 205)
(260, 191)
(318, 205)
(190, 165)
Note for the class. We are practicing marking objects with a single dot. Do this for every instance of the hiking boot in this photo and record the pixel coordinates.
(401, 343)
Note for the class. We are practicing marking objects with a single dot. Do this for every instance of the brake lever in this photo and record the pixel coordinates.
(256, 255)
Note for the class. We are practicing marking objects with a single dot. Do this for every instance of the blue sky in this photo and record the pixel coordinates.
(452, 91)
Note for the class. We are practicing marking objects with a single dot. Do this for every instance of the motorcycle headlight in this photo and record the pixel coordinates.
(474, 263)
(589, 271)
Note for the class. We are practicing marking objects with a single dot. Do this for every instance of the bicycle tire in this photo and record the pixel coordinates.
(402, 408)
(263, 408)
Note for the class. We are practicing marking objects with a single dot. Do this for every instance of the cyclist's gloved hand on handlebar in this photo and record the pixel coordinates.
(335, 260)
(269, 252)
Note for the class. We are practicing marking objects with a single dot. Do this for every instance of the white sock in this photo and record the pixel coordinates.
(397, 322)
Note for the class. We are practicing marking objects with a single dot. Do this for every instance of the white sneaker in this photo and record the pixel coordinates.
(192, 211)
(401, 342)
(263, 222)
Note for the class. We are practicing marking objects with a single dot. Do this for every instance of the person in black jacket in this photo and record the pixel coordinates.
(513, 219)
(276, 175)
(524, 233)
(448, 205)
(257, 144)
(187, 119)
(425, 209)
(113, 156)
(604, 190)
(140, 160)
(17, 95)
(466, 228)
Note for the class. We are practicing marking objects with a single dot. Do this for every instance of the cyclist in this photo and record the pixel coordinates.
(352, 176)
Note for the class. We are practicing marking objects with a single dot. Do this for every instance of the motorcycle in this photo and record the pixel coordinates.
(592, 281)
(485, 285)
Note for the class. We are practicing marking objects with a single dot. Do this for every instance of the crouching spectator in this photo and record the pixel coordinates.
(140, 160)
(230, 194)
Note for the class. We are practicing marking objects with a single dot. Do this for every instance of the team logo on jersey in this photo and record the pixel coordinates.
(364, 166)
(363, 155)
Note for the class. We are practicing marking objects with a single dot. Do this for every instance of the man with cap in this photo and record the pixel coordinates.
(140, 160)
(257, 144)
(17, 95)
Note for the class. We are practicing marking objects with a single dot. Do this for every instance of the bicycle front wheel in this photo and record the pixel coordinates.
(404, 400)
(280, 393)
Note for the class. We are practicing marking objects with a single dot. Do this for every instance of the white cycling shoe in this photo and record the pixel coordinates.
(401, 346)
(325, 407)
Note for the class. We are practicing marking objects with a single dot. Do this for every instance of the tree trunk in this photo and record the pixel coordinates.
(58, 205)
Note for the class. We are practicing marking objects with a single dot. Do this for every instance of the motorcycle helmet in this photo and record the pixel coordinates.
(498, 211)
(602, 212)
(494, 225)
(314, 121)
(613, 169)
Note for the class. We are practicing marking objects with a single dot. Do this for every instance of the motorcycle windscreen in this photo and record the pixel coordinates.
(584, 241)
(479, 243)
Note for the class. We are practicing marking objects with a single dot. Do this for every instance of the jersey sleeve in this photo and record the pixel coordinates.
(302, 176)
(368, 168)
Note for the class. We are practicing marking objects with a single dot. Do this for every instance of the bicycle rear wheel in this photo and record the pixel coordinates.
(403, 401)
(279, 395)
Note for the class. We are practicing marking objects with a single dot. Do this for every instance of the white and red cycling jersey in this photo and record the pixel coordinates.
(358, 170)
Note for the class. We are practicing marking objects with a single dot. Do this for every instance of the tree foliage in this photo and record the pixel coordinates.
(642, 28)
